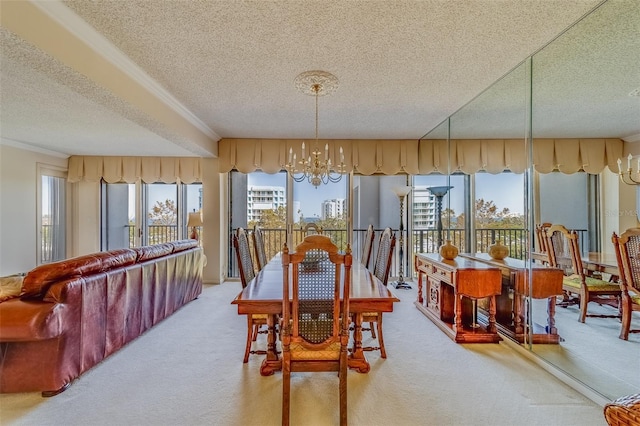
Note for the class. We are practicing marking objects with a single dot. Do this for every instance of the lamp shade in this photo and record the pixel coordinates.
(401, 191)
(195, 219)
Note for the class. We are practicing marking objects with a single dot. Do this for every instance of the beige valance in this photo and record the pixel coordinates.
(430, 156)
(130, 169)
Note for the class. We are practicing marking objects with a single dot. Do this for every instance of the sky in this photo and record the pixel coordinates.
(505, 190)
(310, 197)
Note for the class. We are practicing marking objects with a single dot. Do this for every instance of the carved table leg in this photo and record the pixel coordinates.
(271, 362)
(357, 360)
(457, 317)
(420, 297)
(491, 327)
(551, 320)
(518, 310)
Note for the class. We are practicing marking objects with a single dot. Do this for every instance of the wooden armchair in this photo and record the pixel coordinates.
(381, 271)
(367, 246)
(564, 253)
(315, 329)
(258, 247)
(247, 273)
(627, 247)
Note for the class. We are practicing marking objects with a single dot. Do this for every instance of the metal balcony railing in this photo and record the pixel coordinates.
(422, 241)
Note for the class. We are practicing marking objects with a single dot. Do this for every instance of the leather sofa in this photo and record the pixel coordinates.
(72, 314)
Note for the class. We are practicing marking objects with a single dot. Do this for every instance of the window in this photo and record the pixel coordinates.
(140, 214)
(52, 217)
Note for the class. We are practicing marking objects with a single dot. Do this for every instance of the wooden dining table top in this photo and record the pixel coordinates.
(263, 294)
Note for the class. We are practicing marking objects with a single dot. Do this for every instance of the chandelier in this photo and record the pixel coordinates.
(626, 176)
(316, 168)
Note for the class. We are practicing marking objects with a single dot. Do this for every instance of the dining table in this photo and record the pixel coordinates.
(263, 295)
(601, 262)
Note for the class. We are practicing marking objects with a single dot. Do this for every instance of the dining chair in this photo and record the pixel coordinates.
(564, 253)
(367, 246)
(627, 248)
(541, 239)
(312, 228)
(247, 273)
(315, 329)
(381, 269)
(258, 247)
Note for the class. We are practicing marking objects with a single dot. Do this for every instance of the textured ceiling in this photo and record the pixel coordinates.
(228, 67)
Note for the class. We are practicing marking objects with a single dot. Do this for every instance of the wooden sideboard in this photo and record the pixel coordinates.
(451, 288)
(510, 304)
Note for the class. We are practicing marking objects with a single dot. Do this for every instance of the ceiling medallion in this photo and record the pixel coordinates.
(325, 82)
(313, 168)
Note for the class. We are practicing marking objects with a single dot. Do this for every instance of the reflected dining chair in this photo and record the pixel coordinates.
(381, 270)
(258, 247)
(627, 248)
(564, 253)
(541, 239)
(247, 273)
(315, 329)
(367, 246)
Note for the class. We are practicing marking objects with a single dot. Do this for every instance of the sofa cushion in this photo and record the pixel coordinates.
(39, 279)
(154, 251)
(10, 287)
(183, 245)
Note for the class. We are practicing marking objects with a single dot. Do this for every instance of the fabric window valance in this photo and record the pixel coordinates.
(130, 169)
(428, 156)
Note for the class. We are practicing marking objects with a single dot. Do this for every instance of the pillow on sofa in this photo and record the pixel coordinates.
(10, 287)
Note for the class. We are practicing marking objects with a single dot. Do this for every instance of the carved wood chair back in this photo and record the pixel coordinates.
(367, 246)
(315, 329)
(259, 248)
(243, 255)
(384, 255)
(627, 248)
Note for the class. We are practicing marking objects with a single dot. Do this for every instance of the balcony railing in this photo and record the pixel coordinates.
(422, 241)
(156, 234)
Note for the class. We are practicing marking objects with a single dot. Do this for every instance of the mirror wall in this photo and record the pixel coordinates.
(577, 87)
(580, 89)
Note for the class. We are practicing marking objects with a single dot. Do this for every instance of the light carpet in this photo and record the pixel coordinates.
(188, 370)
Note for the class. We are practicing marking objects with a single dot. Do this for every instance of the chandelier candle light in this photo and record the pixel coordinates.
(314, 168)
(627, 176)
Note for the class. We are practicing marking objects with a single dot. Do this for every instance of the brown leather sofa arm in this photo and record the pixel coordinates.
(25, 321)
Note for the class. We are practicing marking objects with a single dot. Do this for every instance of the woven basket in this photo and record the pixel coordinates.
(623, 411)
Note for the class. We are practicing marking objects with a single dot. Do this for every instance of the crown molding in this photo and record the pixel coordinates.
(79, 28)
(632, 138)
(28, 147)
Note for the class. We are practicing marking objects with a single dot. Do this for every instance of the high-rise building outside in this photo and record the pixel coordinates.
(333, 208)
(424, 208)
(261, 198)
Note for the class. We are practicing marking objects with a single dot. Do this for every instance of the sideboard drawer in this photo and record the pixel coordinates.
(440, 274)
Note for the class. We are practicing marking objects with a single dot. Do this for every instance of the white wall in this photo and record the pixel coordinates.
(18, 186)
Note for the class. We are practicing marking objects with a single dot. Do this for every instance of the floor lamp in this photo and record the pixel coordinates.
(401, 192)
(439, 192)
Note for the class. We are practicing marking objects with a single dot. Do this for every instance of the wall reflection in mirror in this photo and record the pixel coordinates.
(541, 146)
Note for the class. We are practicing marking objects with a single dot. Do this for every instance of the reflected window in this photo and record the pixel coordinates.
(52, 215)
(133, 215)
